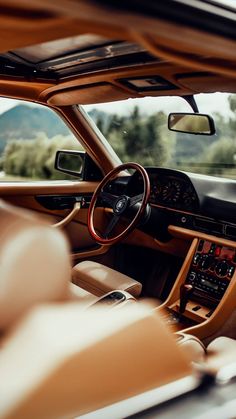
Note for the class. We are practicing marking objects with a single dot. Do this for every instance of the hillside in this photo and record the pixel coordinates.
(25, 122)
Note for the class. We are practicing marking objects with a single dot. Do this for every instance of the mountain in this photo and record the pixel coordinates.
(25, 122)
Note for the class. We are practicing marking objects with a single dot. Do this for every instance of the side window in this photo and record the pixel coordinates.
(30, 135)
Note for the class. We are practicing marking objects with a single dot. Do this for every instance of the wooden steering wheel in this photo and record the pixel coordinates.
(119, 205)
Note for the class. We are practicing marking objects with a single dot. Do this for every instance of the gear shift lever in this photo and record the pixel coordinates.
(185, 293)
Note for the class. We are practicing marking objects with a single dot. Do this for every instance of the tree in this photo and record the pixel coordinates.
(221, 156)
(34, 158)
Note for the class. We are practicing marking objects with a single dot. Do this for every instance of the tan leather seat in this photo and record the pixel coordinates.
(34, 265)
(192, 346)
(99, 279)
(63, 362)
(221, 345)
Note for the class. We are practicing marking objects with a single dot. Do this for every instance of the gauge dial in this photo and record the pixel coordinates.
(189, 197)
(171, 191)
(156, 191)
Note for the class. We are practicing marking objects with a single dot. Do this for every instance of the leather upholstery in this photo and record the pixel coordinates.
(221, 356)
(76, 361)
(34, 264)
(221, 345)
(77, 293)
(192, 346)
(99, 279)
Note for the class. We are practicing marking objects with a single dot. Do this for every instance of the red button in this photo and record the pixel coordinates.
(217, 251)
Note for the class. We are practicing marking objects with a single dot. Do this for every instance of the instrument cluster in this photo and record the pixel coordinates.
(169, 188)
(172, 191)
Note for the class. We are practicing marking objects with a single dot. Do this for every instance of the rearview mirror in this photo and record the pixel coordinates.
(191, 123)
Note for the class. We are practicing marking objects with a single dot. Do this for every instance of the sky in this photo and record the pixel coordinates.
(207, 103)
(231, 3)
(6, 104)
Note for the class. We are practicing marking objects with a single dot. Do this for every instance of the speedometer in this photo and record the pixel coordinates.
(156, 190)
(171, 191)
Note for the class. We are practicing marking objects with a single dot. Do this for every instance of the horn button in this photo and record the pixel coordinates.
(121, 204)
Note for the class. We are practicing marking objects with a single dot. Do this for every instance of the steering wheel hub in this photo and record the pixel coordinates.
(121, 204)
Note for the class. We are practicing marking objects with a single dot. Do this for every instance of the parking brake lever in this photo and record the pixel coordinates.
(186, 291)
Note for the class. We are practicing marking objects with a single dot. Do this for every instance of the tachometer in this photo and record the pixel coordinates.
(189, 198)
(171, 191)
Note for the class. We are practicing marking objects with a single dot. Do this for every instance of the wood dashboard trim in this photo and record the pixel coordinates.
(184, 233)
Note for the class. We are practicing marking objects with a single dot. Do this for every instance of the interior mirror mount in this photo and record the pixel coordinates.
(191, 123)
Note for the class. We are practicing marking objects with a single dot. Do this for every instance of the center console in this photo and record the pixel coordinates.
(211, 270)
(202, 284)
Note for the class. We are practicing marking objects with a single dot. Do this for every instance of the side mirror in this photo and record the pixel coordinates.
(70, 162)
(191, 123)
(77, 163)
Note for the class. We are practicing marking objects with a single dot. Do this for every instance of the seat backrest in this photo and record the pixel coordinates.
(34, 263)
(63, 362)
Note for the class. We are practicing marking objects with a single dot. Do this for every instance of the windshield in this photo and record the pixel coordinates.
(137, 131)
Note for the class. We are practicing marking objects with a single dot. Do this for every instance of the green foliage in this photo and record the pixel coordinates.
(221, 156)
(140, 138)
(35, 158)
(146, 139)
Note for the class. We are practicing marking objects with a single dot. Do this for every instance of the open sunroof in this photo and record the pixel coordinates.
(70, 56)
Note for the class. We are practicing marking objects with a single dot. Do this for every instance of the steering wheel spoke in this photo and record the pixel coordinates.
(135, 199)
(108, 198)
(113, 222)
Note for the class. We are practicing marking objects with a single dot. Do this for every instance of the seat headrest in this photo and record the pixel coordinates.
(34, 263)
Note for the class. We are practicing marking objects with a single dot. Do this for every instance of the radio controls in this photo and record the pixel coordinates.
(196, 258)
(212, 249)
(206, 262)
(192, 277)
(221, 268)
(212, 268)
(218, 251)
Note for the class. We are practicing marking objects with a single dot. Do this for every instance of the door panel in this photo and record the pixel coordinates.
(25, 195)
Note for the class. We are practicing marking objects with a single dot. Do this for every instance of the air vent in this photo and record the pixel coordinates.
(230, 231)
(209, 226)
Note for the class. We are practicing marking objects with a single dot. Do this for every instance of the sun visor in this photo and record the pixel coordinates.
(206, 82)
(89, 94)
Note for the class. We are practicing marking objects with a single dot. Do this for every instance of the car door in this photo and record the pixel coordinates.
(30, 136)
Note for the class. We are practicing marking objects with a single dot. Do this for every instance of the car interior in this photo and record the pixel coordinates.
(118, 275)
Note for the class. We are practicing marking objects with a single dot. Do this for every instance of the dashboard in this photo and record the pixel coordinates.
(196, 202)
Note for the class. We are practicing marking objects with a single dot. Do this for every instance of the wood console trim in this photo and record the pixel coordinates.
(174, 294)
(227, 304)
(198, 316)
(222, 312)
